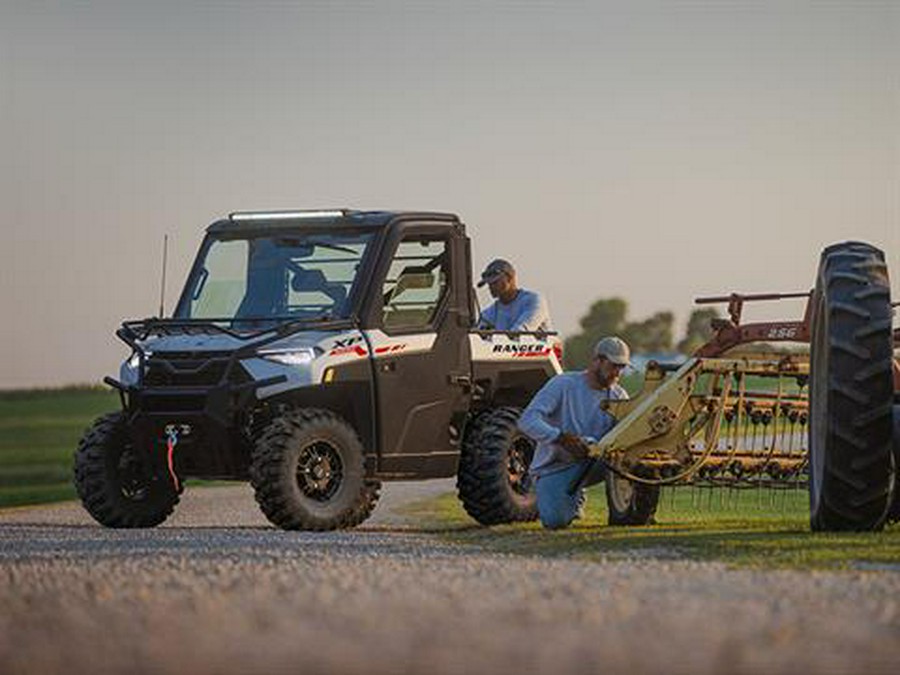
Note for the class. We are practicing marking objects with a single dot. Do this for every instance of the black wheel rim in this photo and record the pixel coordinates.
(134, 484)
(520, 453)
(320, 471)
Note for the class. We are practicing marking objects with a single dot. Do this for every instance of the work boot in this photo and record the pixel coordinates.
(581, 513)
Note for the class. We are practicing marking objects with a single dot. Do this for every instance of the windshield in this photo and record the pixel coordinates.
(296, 276)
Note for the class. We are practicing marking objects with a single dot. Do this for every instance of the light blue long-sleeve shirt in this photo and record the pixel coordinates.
(527, 312)
(567, 403)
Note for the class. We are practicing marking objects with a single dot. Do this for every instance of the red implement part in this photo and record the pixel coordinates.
(729, 332)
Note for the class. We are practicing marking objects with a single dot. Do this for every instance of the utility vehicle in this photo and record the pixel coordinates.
(316, 354)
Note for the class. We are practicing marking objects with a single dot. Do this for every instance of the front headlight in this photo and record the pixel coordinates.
(135, 359)
(290, 357)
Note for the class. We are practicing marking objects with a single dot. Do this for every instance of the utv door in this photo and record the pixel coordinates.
(420, 321)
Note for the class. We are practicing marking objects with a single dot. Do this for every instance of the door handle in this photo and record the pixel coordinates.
(388, 366)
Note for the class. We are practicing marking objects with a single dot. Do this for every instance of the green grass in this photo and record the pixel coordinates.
(764, 529)
(39, 431)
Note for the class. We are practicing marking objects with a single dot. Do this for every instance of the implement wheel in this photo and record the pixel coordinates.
(630, 503)
(115, 486)
(307, 472)
(493, 482)
(894, 513)
(851, 392)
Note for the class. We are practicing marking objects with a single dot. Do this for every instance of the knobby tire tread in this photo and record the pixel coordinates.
(273, 472)
(483, 480)
(854, 403)
(97, 488)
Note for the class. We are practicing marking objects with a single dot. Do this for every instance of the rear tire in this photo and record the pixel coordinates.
(851, 391)
(307, 472)
(113, 485)
(630, 503)
(371, 495)
(493, 483)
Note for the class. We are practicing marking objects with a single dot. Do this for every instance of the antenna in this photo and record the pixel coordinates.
(162, 290)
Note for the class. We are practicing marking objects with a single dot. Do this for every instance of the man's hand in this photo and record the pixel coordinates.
(574, 446)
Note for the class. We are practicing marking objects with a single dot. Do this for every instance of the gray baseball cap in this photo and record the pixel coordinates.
(494, 270)
(615, 349)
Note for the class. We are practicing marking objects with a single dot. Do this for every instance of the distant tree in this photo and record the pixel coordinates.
(577, 351)
(652, 335)
(699, 330)
(604, 317)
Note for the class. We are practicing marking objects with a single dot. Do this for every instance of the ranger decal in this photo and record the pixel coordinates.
(522, 350)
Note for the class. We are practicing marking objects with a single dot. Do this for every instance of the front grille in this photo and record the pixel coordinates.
(187, 369)
(173, 403)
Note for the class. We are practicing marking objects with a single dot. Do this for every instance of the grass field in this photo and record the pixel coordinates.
(39, 430)
(764, 529)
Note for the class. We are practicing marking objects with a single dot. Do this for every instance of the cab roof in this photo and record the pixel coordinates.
(248, 221)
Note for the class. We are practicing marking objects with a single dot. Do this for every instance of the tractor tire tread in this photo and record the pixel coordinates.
(853, 352)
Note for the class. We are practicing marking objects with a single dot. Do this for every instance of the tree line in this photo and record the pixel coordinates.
(653, 335)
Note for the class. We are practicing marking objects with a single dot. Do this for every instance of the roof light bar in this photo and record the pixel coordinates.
(285, 215)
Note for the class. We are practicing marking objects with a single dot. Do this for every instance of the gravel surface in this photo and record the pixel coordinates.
(216, 590)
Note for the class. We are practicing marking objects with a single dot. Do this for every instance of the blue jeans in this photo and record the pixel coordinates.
(556, 507)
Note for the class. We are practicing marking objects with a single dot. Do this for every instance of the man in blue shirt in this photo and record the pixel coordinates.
(515, 308)
(564, 417)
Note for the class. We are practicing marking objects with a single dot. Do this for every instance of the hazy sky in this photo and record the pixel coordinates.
(656, 151)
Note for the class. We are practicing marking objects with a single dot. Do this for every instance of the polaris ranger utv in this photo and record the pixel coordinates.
(316, 354)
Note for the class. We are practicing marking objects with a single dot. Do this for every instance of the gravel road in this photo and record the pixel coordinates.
(216, 590)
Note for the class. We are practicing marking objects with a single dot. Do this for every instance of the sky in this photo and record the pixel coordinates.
(652, 151)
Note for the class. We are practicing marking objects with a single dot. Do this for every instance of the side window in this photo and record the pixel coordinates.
(416, 284)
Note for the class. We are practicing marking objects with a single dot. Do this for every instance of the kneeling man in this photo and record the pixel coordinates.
(564, 417)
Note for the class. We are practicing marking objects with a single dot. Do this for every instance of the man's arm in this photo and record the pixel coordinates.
(534, 420)
(485, 321)
(532, 314)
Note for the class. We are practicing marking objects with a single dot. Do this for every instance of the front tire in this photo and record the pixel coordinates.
(630, 503)
(493, 483)
(851, 391)
(115, 487)
(307, 472)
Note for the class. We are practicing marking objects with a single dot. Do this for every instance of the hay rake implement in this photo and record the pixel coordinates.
(781, 405)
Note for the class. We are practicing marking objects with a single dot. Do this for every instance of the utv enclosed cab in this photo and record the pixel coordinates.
(317, 353)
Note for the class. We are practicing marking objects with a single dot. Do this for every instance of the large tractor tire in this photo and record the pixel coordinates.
(307, 472)
(116, 488)
(851, 473)
(630, 503)
(493, 483)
